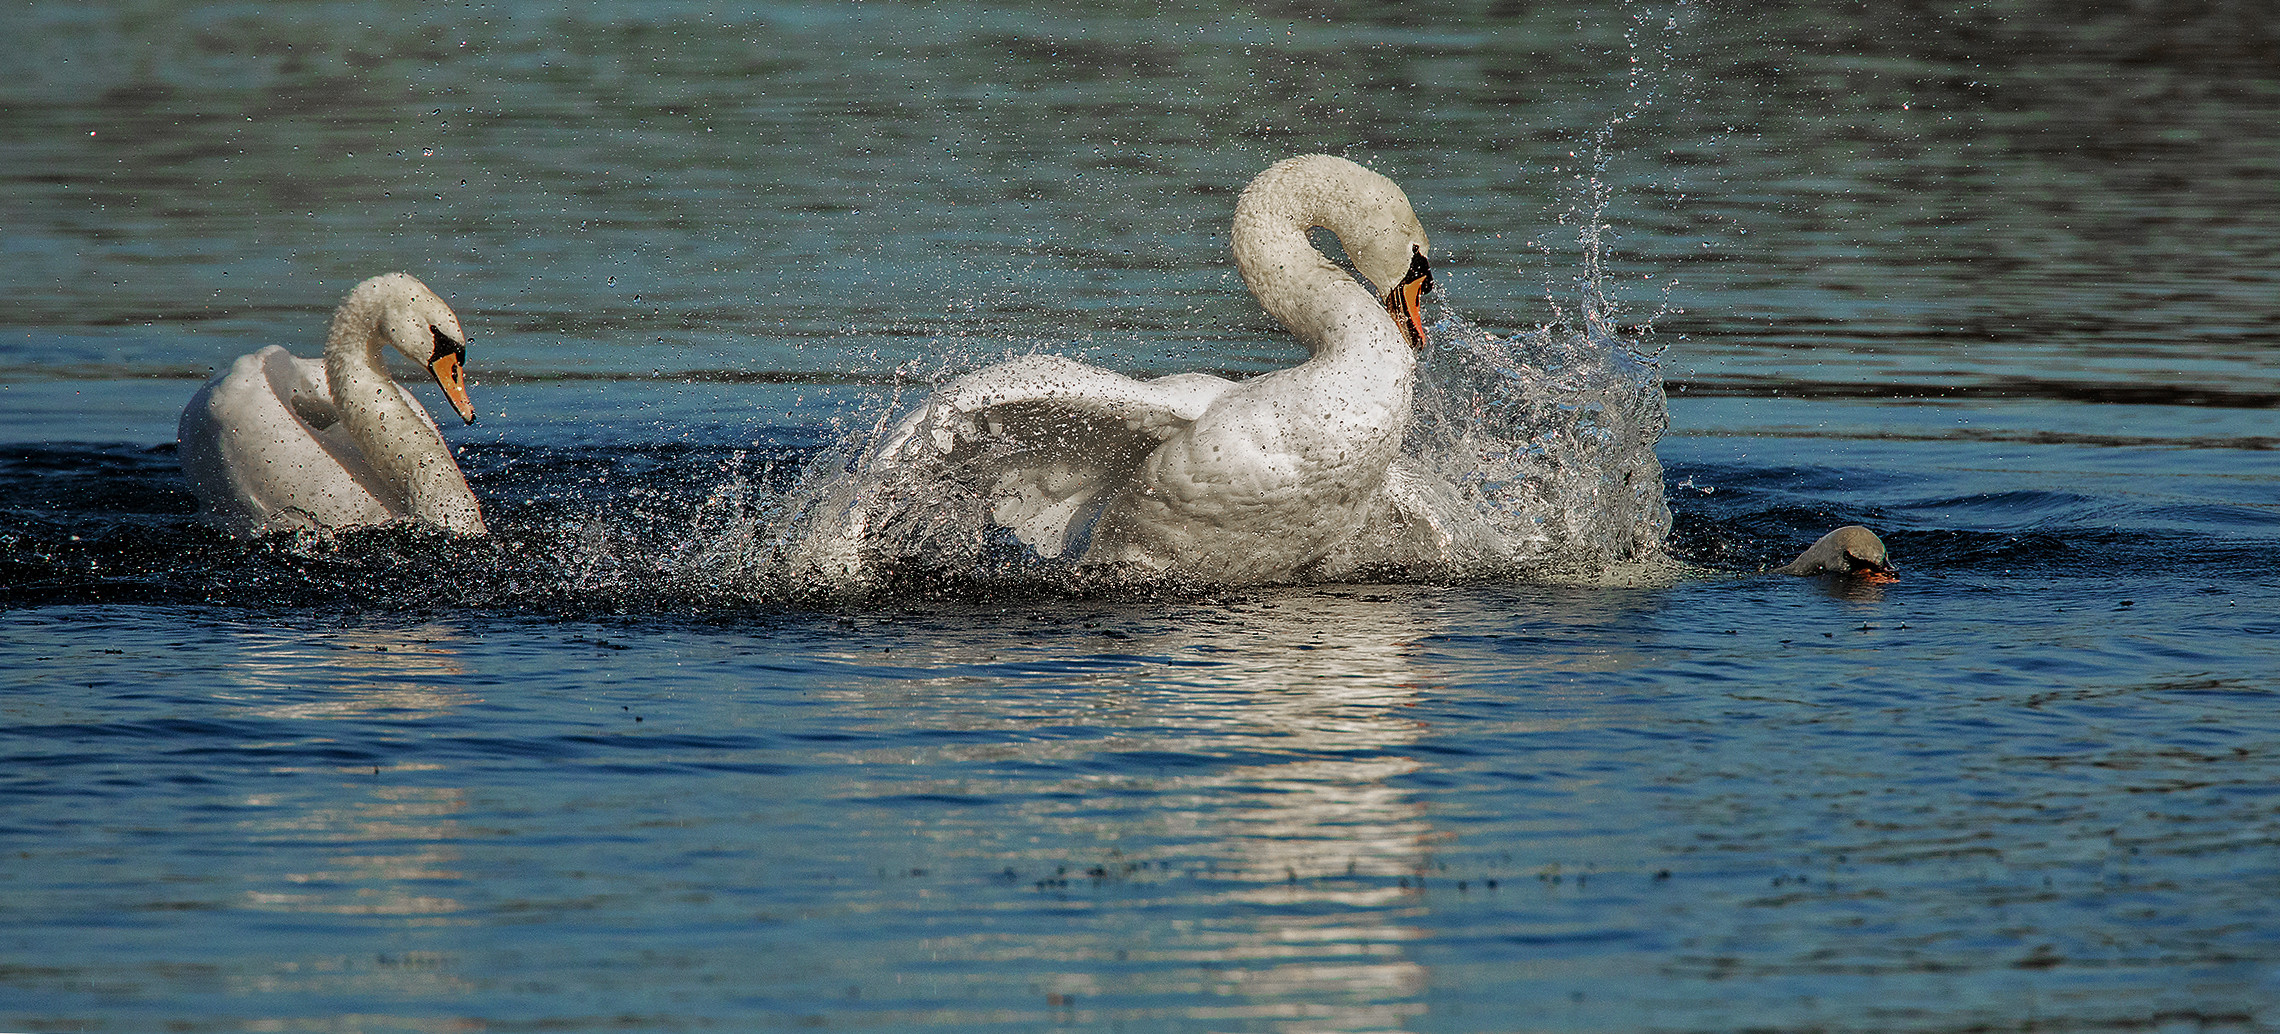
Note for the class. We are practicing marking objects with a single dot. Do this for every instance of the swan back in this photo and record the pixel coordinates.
(264, 450)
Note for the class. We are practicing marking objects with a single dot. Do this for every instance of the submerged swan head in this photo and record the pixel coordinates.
(1369, 214)
(400, 310)
(1852, 551)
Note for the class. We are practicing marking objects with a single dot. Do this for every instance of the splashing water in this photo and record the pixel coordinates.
(1548, 438)
(1539, 446)
(1534, 451)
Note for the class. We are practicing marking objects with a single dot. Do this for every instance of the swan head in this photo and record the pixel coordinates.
(1371, 217)
(1406, 302)
(414, 321)
(1850, 551)
(1387, 244)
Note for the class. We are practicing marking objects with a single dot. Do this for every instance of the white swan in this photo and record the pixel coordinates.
(278, 442)
(1203, 480)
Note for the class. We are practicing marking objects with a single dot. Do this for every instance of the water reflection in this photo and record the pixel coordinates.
(1277, 866)
(404, 674)
(1857, 591)
(359, 840)
(1315, 847)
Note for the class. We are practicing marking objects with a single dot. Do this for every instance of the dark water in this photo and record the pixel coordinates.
(1997, 280)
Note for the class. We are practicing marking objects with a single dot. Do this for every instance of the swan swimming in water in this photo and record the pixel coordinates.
(1294, 474)
(278, 442)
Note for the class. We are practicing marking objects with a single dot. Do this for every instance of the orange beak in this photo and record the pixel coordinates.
(452, 378)
(1406, 301)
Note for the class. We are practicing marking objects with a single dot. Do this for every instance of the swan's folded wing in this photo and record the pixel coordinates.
(264, 450)
(1049, 439)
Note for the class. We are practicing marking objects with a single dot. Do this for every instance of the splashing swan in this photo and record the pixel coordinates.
(1193, 478)
(279, 442)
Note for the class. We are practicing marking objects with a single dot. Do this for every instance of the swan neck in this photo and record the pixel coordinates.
(370, 403)
(1322, 305)
(399, 441)
(352, 345)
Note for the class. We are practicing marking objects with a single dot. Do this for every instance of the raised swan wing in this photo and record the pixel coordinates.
(1048, 439)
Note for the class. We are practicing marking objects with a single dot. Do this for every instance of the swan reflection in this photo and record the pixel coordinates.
(1242, 796)
(353, 839)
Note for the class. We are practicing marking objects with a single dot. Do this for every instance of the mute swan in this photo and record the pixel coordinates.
(279, 442)
(1203, 480)
(1850, 550)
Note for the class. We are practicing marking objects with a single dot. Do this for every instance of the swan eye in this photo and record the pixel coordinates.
(445, 345)
(1419, 269)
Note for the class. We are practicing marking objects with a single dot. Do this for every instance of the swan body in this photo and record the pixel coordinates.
(1200, 479)
(277, 442)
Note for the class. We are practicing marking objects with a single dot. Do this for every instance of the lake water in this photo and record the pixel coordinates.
(1997, 280)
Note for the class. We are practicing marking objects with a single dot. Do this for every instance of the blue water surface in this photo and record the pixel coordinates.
(1990, 280)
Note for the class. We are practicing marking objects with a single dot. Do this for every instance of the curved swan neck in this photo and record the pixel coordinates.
(1319, 302)
(352, 346)
(396, 439)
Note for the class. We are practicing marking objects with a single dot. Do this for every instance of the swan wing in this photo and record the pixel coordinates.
(264, 450)
(1048, 439)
